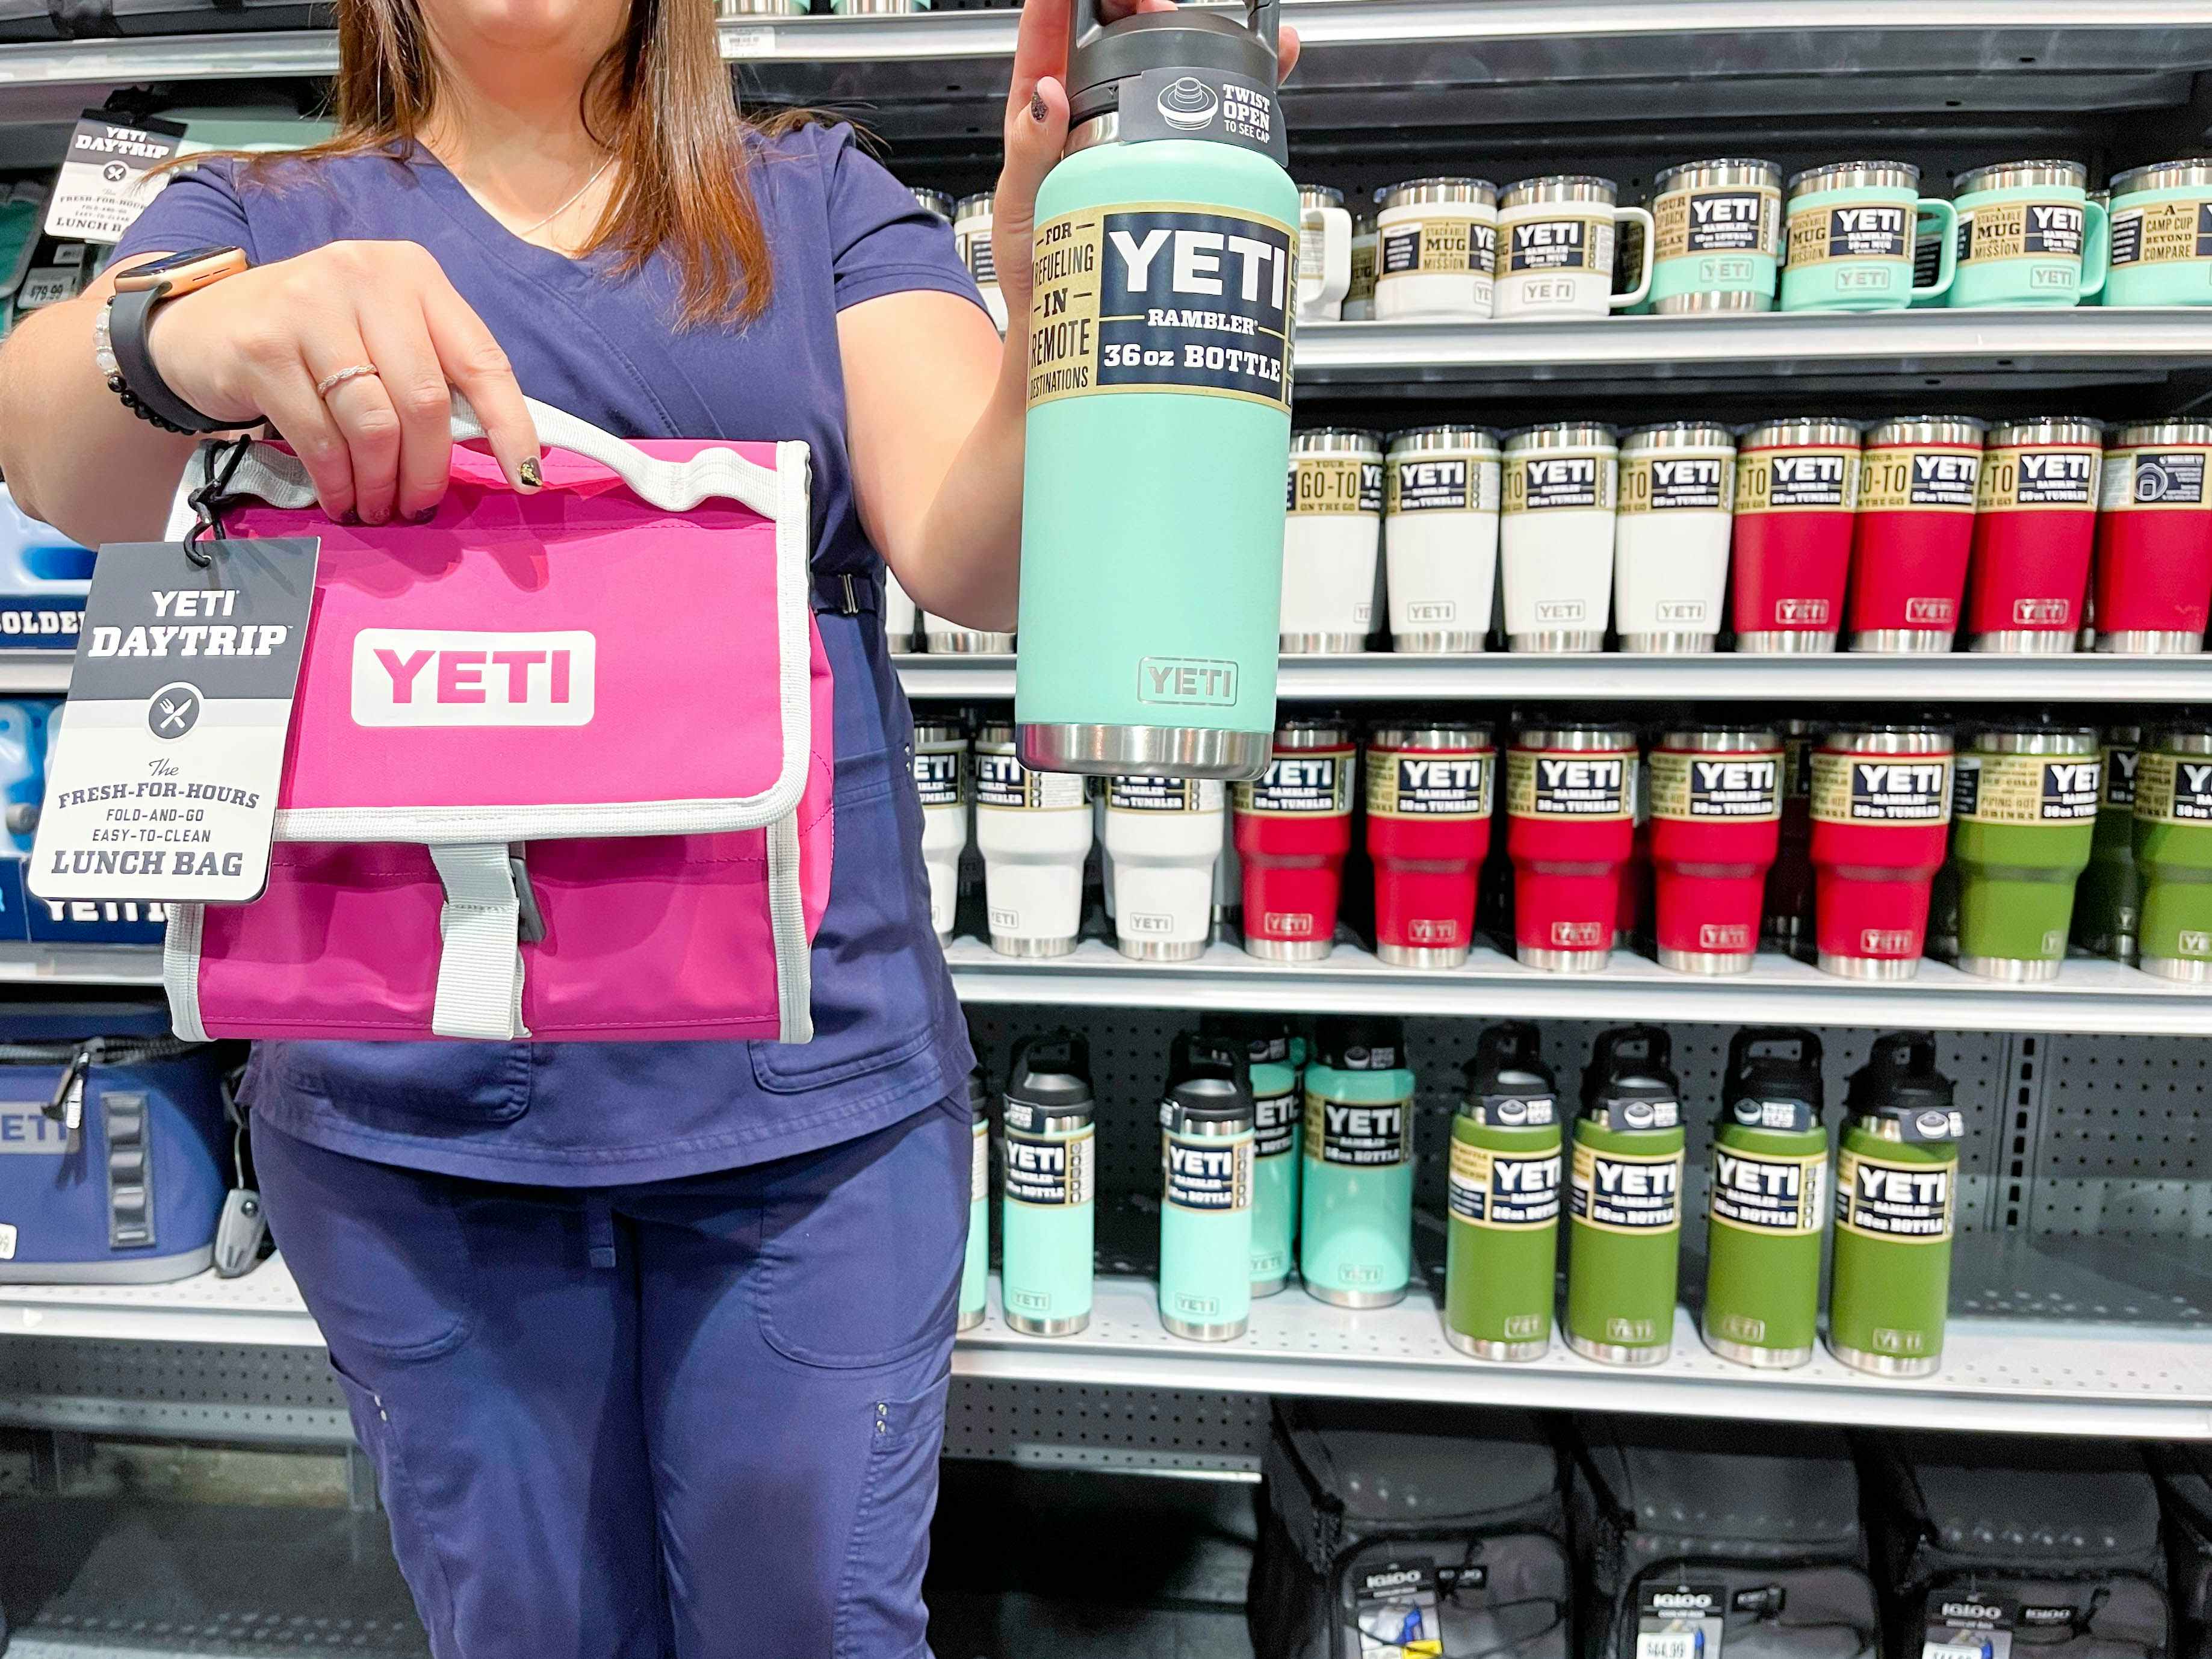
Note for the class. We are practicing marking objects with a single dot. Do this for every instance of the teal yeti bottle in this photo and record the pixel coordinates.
(1048, 1186)
(1277, 1116)
(977, 1269)
(1159, 413)
(1206, 1189)
(1356, 1220)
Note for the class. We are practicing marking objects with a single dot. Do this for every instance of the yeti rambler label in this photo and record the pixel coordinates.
(1919, 480)
(1364, 1136)
(1580, 785)
(2029, 789)
(1501, 1189)
(1737, 219)
(1535, 482)
(1731, 788)
(1445, 483)
(1667, 483)
(1428, 786)
(1876, 231)
(1894, 789)
(1449, 244)
(2020, 230)
(1051, 1172)
(1578, 243)
(1903, 1201)
(2044, 476)
(1624, 1192)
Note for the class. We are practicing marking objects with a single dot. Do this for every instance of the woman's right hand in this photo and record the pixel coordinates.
(254, 347)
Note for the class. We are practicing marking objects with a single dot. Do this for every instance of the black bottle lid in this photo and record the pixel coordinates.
(1629, 1085)
(1899, 1084)
(1507, 1084)
(1773, 1079)
(1209, 1082)
(1048, 1077)
(1265, 1038)
(1360, 1042)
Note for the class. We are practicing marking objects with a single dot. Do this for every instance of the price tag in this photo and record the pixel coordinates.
(753, 40)
(1668, 1644)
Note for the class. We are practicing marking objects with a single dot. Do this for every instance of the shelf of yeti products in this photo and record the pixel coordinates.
(2041, 1340)
(2090, 995)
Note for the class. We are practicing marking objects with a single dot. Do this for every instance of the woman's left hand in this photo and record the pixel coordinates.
(1036, 132)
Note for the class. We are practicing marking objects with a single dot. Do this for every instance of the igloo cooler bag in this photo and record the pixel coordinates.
(2018, 1547)
(1409, 1530)
(1704, 1540)
(560, 764)
(2184, 1479)
(114, 1153)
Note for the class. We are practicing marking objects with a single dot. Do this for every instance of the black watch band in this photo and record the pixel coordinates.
(129, 316)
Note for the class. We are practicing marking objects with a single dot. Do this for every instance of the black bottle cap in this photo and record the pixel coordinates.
(1507, 1081)
(1209, 1081)
(1629, 1083)
(1265, 1038)
(1900, 1082)
(1773, 1079)
(1360, 1042)
(1103, 56)
(1049, 1076)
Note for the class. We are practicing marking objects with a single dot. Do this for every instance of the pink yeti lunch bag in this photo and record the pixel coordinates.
(560, 764)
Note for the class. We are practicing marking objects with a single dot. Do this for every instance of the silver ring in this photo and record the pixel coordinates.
(329, 383)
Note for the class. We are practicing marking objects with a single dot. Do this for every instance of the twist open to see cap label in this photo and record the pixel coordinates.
(1573, 784)
(1909, 1203)
(1919, 480)
(1882, 789)
(2027, 788)
(1731, 788)
(1504, 1189)
(1332, 485)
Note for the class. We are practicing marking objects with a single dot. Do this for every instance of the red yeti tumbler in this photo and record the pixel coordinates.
(1716, 824)
(1796, 485)
(1789, 922)
(1293, 829)
(1428, 830)
(2154, 540)
(2036, 524)
(1881, 814)
(1916, 528)
(1570, 802)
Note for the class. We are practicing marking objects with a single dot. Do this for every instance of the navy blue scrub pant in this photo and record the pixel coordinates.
(697, 1419)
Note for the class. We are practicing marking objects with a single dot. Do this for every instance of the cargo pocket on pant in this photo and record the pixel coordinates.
(879, 1609)
(411, 1544)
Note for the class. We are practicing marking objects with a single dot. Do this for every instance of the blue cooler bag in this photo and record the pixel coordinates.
(114, 1153)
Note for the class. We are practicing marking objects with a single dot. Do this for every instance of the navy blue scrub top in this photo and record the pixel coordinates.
(890, 1040)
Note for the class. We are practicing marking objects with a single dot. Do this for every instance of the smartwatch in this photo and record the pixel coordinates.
(119, 336)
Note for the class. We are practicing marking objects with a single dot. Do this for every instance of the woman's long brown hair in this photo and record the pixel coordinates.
(660, 100)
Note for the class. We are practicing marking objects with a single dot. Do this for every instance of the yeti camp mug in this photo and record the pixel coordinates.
(2162, 235)
(1324, 252)
(1436, 250)
(1850, 230)
(1716, 229)
(1555, 237)
(2028, 235)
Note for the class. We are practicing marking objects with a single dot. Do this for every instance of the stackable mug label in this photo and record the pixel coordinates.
(1505, 1190)
(1403, 784)
(1579, 785)
(2030, 245)
(2027, 789)
(1764, 1194)
(1906, 1203)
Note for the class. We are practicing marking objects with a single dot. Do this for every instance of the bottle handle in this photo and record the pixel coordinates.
(1744, 1045)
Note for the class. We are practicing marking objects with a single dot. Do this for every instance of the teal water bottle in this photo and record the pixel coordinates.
(1048, 1186)
(975, 1271)
(1356, 1213)
(1277, 1117)
(1160, 345)
(1206, 1189)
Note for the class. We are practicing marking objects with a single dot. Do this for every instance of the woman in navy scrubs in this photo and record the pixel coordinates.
(649, 1343)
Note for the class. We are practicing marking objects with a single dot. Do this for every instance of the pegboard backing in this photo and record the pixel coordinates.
(1182, 1431)
(2124, 1154)
(195, 1390)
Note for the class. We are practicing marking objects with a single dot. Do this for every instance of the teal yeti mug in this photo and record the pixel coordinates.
(1716, 236)
(2029, 235)
(1848, 238)
(1159, 405)
(2162, 235)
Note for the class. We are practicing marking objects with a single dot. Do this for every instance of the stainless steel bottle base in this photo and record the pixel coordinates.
(2024, 642)
(1184, 1328)
(1675, 305)
(1337, 1298)
(1031, 947)
(1784, 643)
(1667, 645)
(1514, 1353)
(1308, 645)
(1175, 751)
(2194, 969)
(1432, 644)
(2013, 971)
(1711, 964)
(1891, 968)
(970, 1320)
(1160, 950)
(1616, 1353)
(2150, 642)
(1764, 1359)
(1887, 1364)
(1270, 1286)
(1031, 1326)
(1288, 950)
(969, 643)
(1423, 956)
(1563, 961)
(1902, 642)
(1557, 642)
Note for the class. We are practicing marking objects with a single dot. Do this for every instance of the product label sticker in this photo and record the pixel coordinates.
(976, 251)
(2016, 479)
(1516, 1111)
(1370, 1136)
(1797, 480)
(1534, 482)
(1334, 483)
(1050, 1171)
(1439, 244)
(1216, 105)
(1276, 1120)
(1738, 788)
(1732, 219)
(1668, 484)
(979, 1163)
(1139, 794)
(1966, 786)
(1927, 249)
(2029, 789)
(1629, 1116)
(1920, 480)
(1394, 1611)
(2020, 230)
(1763, 1194)
(51, 284)
(1442, 483)
(1300, 782)
(1886, 789)
(1874, 231)
(938, 775)
(1162, 297)
(1205, 1173)
(2163, 233)
(1002, 781)
(1502, 1189)
(1569, 784)
(1981, 1627)
(2169, 788)
(1400, 785)
(2136, 480)
(1783, 1116)
(2119, 778)
(1567, 242)
(1908, 1202)
(1681, 1621)
(108, 175)
(1363, 268)
(1621, 1193)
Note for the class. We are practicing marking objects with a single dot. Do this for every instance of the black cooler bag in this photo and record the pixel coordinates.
(1409, 1530)
(2018, 1547)
(1721, 1541)
(2184, 1476)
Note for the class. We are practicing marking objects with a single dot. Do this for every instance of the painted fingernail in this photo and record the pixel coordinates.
(349, 519)
(375, 518)
(532, 476)
(424, 517)
(1038, 112)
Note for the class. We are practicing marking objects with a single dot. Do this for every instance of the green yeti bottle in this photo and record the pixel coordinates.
(1625, 1201)
(1277, 1115)
(1897, 1179)
(1206, 1195)
(1355, 1213)
(1502, 1252)
(975, 1271)
(1768, 1203)
(1048, 1187)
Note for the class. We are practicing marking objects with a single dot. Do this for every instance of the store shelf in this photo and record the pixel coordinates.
(261, 1309)
(35, 672)
(1846, 676)
(79, 964)
(2090, 996)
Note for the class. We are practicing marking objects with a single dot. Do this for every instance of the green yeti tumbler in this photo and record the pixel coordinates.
(1048, 1187)
(1768, 1203)
(1205, 1191)
(975, 1271)
(2108, 903)
(1625, 1201)
(2173, 850)
(1501, 1254)
(2024, 810)
(1356, 1211)
(1897, 1178)
(1277, 1118)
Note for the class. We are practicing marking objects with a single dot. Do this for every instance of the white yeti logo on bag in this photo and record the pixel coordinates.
(453, 677)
